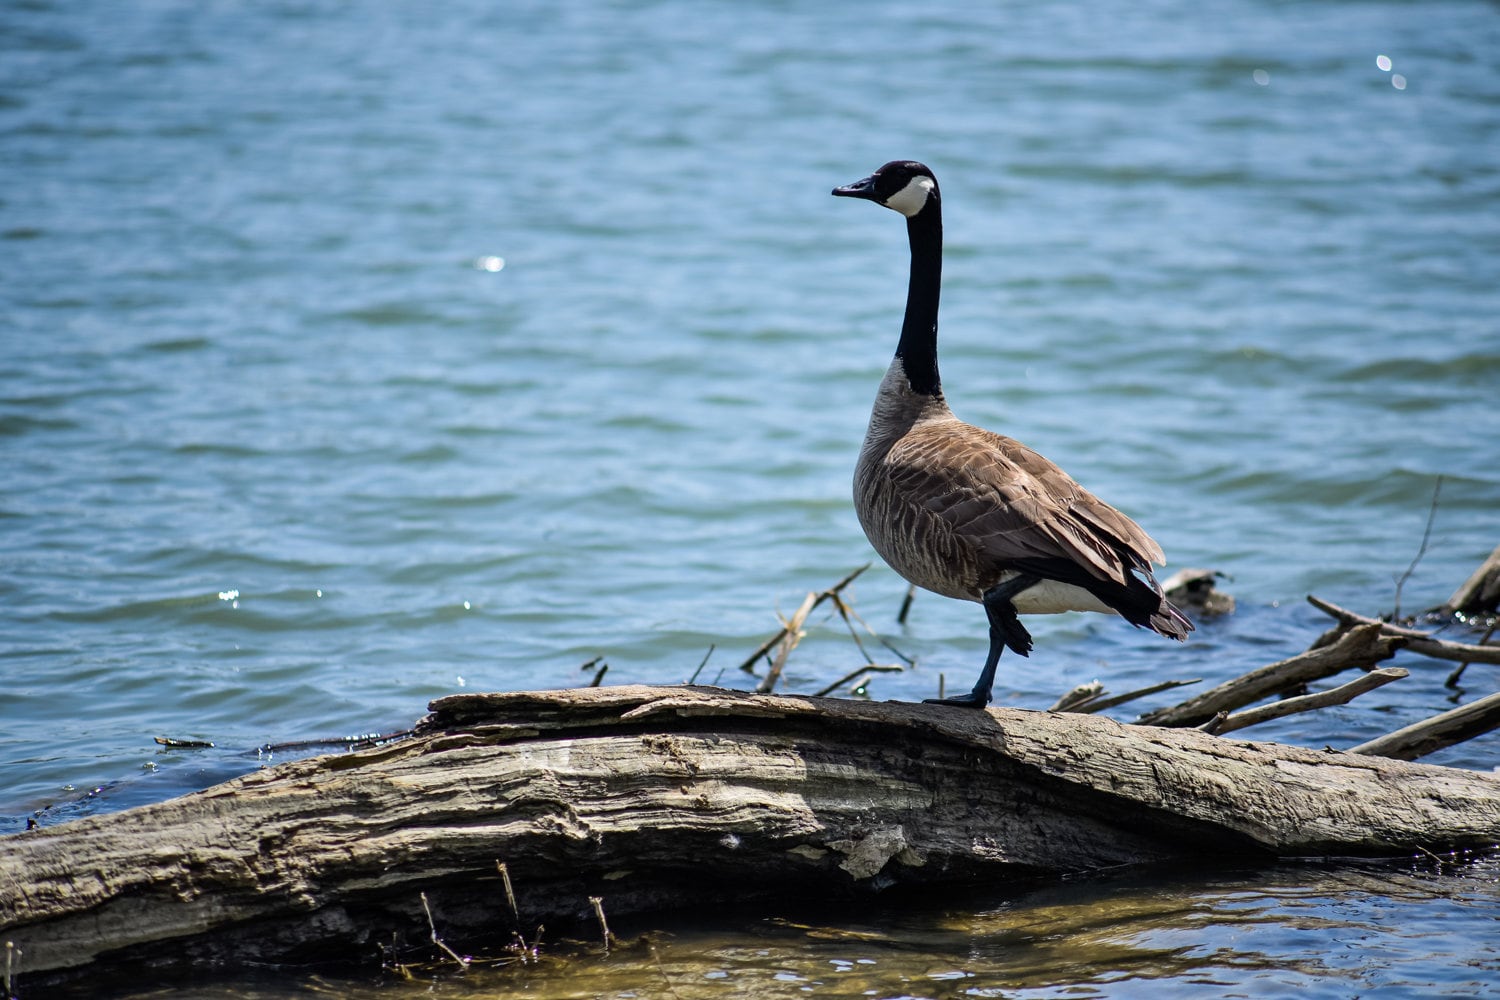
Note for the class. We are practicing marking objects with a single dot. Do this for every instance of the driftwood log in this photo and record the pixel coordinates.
(647, 798)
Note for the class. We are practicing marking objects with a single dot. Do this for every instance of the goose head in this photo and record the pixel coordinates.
(904, 186)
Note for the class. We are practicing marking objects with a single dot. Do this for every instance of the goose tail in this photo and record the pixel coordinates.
(1150, 606)
(1167, 620)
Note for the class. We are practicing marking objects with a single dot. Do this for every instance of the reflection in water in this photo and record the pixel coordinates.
(1313, 930)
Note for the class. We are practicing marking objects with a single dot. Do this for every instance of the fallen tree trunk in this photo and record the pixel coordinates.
(677, 797)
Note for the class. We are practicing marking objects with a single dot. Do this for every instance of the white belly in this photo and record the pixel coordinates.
(1052, 598)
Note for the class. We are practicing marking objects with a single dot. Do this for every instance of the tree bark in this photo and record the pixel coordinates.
(678, 797)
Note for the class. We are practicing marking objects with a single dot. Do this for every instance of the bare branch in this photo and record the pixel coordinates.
(1080, 695)
(1340, 695)
(1429, 735)
(1437, 488)
(1101, 703)
(1362, 647)
(1416, 640)
(749, 665)
(882, 668)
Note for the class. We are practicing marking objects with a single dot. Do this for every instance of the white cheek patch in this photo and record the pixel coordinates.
(913, 198)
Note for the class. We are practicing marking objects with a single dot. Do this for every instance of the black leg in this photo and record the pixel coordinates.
(1005, 630)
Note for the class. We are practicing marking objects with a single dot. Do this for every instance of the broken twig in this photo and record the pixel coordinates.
(510, 893)
(1437, 489)
(749, 665)
(883, 668)
(791, 634)
(598, 904)
(463, 963)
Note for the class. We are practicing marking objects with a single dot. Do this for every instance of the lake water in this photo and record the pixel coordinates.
(352, 355)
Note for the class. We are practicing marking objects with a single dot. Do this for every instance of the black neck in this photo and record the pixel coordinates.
(918, 346)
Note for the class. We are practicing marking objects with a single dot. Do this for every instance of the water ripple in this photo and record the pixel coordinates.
(1221, 269)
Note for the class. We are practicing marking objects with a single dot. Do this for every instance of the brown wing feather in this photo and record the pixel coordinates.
(1009, 503)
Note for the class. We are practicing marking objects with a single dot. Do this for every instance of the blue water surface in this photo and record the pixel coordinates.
(354, 355)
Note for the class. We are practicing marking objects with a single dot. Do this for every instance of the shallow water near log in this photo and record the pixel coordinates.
(355, 355)
(1315, 929)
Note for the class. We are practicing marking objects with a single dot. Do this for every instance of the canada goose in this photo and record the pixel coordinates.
(970, 514)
